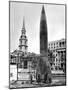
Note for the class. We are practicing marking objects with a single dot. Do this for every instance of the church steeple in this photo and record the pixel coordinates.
(23, 39)
(23, 23)
(23, 31)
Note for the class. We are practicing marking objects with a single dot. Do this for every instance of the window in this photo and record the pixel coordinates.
(21, 42)
(56, 59)
(25, 64)
(11, 74)
(25, 36)
(21, 36)
(60, 44)
(51, 44)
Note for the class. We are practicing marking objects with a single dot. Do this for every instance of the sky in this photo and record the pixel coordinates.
(55, 15)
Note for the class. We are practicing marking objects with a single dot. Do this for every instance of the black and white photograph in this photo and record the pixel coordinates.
(37, 44)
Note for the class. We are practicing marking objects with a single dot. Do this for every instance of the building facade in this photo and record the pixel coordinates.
(58, 48)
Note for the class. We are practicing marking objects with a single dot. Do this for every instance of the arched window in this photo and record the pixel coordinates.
(25, 64)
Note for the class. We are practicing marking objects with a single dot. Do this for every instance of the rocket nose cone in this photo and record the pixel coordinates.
(43, 11)
(43, 16)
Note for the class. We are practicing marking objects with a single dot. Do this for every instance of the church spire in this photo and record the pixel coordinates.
(23, 27)
(23, 23)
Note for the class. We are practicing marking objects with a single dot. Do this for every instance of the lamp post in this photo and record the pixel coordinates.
(17, 64)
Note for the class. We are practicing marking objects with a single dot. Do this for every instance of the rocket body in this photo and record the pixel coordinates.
(43, 34)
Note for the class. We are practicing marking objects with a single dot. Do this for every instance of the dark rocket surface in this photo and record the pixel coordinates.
(43, 34)
(44, 65)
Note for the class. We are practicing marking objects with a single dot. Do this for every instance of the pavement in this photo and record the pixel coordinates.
(59, 81)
